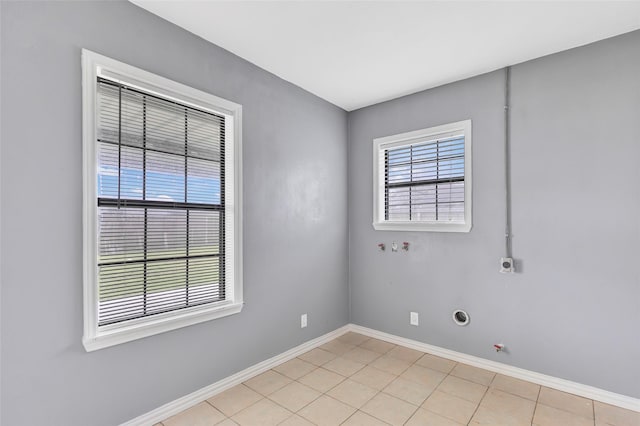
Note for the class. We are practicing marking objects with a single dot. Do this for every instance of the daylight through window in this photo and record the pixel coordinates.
(162, 224)
(422, 179)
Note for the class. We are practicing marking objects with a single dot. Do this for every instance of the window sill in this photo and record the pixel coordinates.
(422, 226)
(156, 325)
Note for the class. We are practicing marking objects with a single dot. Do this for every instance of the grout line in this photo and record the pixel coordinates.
(535, 407)
(486, 391)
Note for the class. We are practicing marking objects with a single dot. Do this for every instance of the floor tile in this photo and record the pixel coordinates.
(425, 376)
(317, 356)
(567, 402)
(352, 393)
(363, 419)
(343, 366)
(463, 388)
(326, 411)
(423, 417)
(549, 416)
(390, 364)
(268, 382)
(352, 338)
(202, 414)
(295, 368)
(263, 412)
(372, 377)
(517, 387)
(294, 396)
(412, 392)
(321, 380)
(436, 363)
(295, 420)
(405, 354)
(389, 409)
(355, 380)
(615, 416)
(379, 346)
(361, 355)
(234, 400)
(473, 374)
(337, 347)
(500, 408)
(449, 406)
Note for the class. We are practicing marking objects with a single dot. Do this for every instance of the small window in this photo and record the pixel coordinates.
(422, 180)
(161, 204)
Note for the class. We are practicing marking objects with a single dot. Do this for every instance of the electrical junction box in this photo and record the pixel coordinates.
(507, 266)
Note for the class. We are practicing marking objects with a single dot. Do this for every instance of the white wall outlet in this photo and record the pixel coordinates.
(303, 320)
(506, 265)
(413, 318)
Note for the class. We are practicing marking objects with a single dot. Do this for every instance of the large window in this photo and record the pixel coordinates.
(422, 180)
(162, 228)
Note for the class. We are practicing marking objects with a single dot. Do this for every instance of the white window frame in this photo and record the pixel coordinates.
(410, 138)
(93, 66)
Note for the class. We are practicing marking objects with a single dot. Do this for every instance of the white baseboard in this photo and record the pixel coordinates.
(579, 389)
(180, 404)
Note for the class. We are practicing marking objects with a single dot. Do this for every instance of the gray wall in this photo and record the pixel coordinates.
(573, 309)
(295, 218)
(570, 312)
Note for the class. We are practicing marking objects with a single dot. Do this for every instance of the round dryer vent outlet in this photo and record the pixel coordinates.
(460, 317)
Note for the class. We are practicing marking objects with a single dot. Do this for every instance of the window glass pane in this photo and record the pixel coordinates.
(166, 283)
(204, 280)
(451, 147)
(397, 174)
(204, 135)
(425, 170)
(165, 126)
(399, 156)
(203, 181)
(450, 192)
(423, 202)
(166, 233)
(165, 177)
(451, 212)
(426, 152)
(204, 232)
(130, 172)
(120, 234)
(121, 292)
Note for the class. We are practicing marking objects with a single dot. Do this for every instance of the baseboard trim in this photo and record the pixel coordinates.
(180, 404)
(579, 389)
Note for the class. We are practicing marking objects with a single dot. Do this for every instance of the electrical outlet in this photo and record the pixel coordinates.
(303, 320)
(413, 318)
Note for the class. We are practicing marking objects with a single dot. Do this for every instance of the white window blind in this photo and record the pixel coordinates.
(425, 181)
(160, 204)
(422, 180)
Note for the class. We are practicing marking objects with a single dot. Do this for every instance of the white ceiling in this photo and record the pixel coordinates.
(358, 53)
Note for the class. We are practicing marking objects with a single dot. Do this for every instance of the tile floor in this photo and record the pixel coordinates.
(354, 380)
